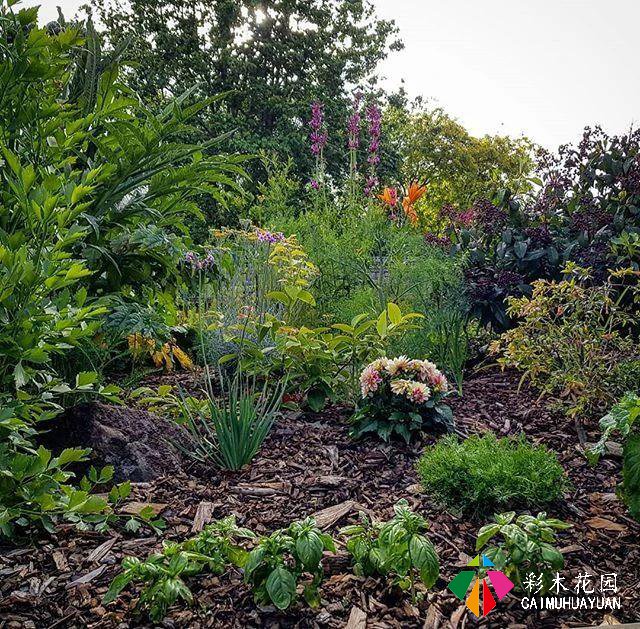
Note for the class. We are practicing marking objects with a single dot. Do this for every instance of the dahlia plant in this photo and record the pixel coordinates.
(401, 396)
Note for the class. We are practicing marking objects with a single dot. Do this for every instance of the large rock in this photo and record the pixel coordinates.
(135, 442)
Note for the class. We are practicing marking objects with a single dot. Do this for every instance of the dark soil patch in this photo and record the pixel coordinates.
(307, 465)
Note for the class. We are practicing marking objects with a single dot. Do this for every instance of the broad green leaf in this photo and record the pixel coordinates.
(281, 587)
(309, 548)
(395, 315)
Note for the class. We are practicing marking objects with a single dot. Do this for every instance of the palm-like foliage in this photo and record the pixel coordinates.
(64, 110)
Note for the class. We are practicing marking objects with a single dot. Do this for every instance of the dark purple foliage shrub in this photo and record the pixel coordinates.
(589, 195)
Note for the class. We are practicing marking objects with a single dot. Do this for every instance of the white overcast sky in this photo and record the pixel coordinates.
(543, 68)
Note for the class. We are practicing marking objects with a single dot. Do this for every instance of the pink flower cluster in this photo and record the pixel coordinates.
(422, 378)
(200, 263)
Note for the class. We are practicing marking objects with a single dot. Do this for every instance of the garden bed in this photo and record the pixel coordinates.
(307, 465)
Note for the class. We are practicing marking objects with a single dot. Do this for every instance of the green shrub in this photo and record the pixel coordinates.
(526, 553)
(320, 363)
(483, 474)
(93, 190)
(398, 548)
(575, 341)
(366, 261)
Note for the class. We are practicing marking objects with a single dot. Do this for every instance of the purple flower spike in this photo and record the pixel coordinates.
(353, 124)
(319, 135)
(370, 186)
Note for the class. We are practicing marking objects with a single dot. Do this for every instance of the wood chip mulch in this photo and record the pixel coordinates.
(309, 466)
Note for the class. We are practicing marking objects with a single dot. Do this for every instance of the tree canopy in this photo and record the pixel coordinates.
(273, 56)
(459, 168)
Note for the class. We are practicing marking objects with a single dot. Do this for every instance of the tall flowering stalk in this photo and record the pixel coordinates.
(353, 130)
(374, 119)
(318, 136)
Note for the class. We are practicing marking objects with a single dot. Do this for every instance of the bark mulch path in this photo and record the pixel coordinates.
(307, 465)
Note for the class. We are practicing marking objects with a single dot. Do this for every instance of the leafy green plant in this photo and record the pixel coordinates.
(575, 340)
(169, 401)
(36, 489)
(449, 342)
(626, 250)
(621, 419)
(319, 362)
(526, 550)
(401, 397)
(483, 473)
(230, 430)
(326, 361)
(92, 187)
(631, 475)
(162, 574)
(398, 548)
(279, 561)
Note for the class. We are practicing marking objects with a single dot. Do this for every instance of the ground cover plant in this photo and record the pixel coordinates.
(241, 304)
(483, 473)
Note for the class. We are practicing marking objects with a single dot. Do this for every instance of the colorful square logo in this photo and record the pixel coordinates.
(501, 584)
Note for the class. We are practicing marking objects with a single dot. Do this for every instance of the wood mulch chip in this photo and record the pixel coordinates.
(309, 466)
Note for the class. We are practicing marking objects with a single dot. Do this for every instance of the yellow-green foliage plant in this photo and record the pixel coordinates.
(574, 340)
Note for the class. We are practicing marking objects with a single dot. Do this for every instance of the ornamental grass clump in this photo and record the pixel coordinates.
(484, 474)
(229, 430)
(400, 397)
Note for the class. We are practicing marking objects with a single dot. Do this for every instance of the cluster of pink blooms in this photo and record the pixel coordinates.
(264, 235)
(200, 263)
(422, 378)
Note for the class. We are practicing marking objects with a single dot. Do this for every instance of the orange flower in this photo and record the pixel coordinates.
(389, 196)
(414, 194)
(411, 215)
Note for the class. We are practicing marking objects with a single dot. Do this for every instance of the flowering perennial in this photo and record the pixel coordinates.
(264, 235)
(353, 124)
(401, 396)
(197, 262)
(425, 378)
(319, 137)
